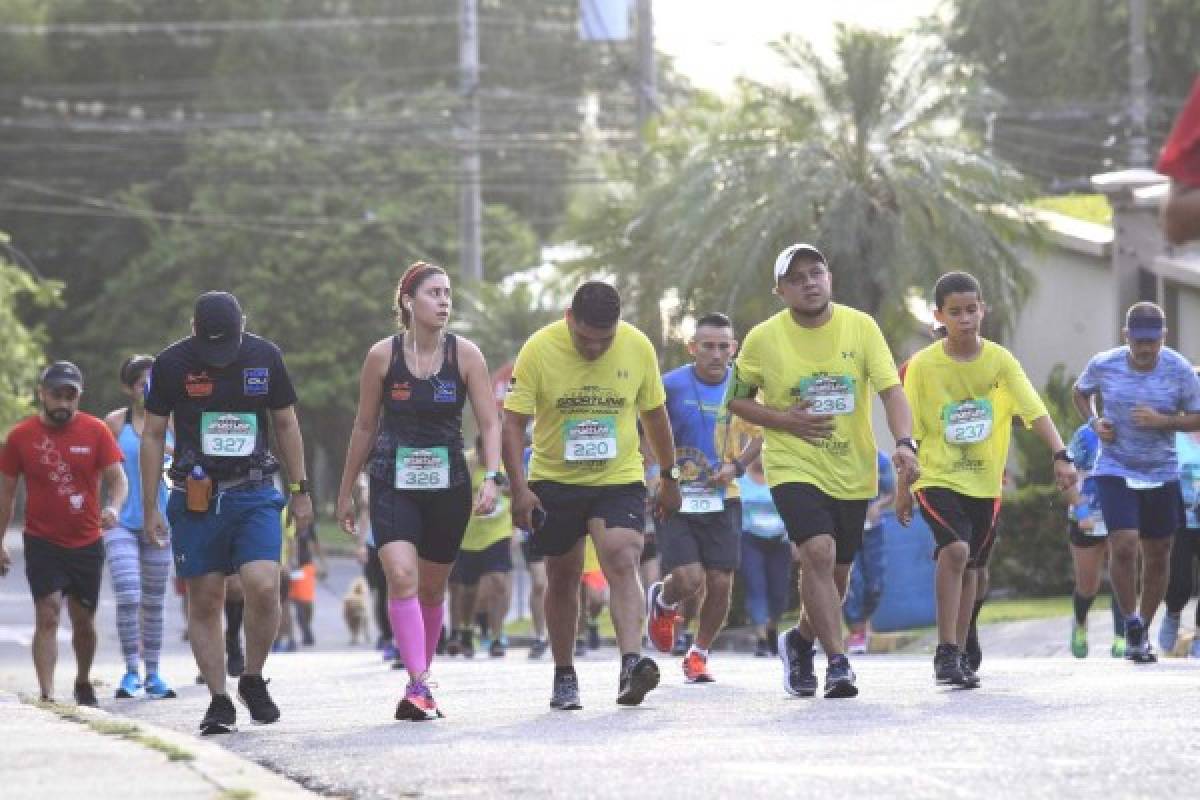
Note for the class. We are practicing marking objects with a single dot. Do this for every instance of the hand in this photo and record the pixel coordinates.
(360, 555)
(346, 516)
(904, 507)
(301, 507)
(908, 469)
(108, 517)
(1065, 476)
(1087, 523)
(523, 504)
(154, 527)
(726, 475)
(5, 561)
(810, 427)
(485, 498)
(667, 500)
(1105, 430)
(1146, 417)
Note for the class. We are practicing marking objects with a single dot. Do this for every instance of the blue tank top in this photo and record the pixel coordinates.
(130, 443)
(1189, 476)
(759, 517)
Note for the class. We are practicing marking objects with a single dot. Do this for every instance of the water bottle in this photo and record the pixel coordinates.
(199, 490)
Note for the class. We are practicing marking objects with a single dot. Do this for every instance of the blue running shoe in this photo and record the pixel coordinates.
(158, 688)
(130, 686)
(1168, 634)
(1195, 651)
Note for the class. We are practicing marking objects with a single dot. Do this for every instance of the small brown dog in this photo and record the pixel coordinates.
(354, 610)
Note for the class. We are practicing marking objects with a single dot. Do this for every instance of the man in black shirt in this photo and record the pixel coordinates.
(224, 387)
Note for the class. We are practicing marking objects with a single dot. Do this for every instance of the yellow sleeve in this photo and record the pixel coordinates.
(747, 371)
(651, 393)
(912, 390)
(881, 367)
(523, 388)
(1027, 404)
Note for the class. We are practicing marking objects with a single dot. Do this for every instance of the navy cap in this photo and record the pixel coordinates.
(62, 373)
(1146, 328)
(218, 321)
(783, 262)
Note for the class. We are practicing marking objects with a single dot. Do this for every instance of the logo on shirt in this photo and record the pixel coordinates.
(848, 355)
(401, 391)
(198, 384)
(255, 381)
(59, 473)
(622, 374)
(81, 450)
(590, 400)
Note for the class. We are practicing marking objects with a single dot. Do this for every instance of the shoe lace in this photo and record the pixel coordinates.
(565, 683)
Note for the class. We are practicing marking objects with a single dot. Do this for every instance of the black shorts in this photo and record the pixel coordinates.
(373, 570)
(649, 547)
(712, 540)
(568, 509)
(471, 565)
(808, 512)
(434, 520)
(1081, 538)
(75, 571)
(955, 517)
(1154, 513)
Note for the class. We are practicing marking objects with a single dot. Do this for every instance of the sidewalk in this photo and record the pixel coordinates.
(62, 751)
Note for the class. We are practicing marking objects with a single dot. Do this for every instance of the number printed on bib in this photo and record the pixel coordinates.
(227, 434)
(592, 439)
(422, 467)
(967, 422)
(701, 500)
(829, 394)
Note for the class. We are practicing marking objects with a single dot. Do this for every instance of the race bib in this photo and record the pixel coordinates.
(227, 434)
(701, 500)
(829, 394)
(968, 422)
(1135, 484)
(590, 439)
(422, 468)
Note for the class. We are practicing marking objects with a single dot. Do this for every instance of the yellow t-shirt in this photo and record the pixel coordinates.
(740, 433)
(483, 532)
(836, 366)
(962, 416)
(585, 412)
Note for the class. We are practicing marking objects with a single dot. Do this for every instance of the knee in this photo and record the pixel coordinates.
(1124, 551)
(688, 579)
(817, 558)
(47, 617)
(718, 582)
(434, 594)
(402, 579)
(955, 556)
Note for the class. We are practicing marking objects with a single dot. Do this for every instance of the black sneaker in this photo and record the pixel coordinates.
(497, 649)
(761, 648)
(467, 643)
(637, 679)
(773, 640)
(538, 648)
(1137, 644)
(970, 679)
(565, 695)
(799, 677)
(221, 716)
(972, 649)
(235, 660)
(85, 695)
(947, 665)
(839, 678)
(252, 691)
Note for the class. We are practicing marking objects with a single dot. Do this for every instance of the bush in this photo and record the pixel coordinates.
(1032, 555)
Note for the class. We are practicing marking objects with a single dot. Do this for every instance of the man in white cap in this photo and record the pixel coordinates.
(813, 366)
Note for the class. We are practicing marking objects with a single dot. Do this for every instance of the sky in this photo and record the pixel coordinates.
(714, 41)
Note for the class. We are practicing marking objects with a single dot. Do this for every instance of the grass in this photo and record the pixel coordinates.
(1020, 609)
(121, 729)
(236, 794)
(1087, 207)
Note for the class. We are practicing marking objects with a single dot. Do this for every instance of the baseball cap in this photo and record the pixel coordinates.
(62, 373)
(784, 260)
(218, 320)
(1146, 327)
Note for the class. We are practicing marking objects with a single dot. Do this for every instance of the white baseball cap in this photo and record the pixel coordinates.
(784, 260)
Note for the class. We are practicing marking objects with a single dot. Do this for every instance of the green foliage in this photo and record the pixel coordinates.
(23, 352)
(1037, 466)
(1032, 555)
(500, 319)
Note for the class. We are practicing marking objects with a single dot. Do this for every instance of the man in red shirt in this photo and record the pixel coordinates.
(1180, 161)
(63, 454)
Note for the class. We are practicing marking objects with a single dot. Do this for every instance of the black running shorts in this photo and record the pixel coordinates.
(569, 508)
(433, 520)
(75, 571)
(955, 517)
(807, 512)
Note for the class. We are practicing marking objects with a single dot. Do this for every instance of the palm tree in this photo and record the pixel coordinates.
(869, 164)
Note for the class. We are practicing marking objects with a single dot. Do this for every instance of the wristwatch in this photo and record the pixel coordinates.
(299, 487)
(908, 442)
(739, 469)
(494, 476)
(1064, 455)
(671, 474)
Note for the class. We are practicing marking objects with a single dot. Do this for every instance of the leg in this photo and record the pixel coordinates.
(715, 609)
(260, 588)
(83, 638)
(537, 598)
(156, 570)
(820, 595)
(121, 550)
(619, 550)
(206, 598)
(495, 594)
(1088, 562)
(755, 579)
(563, 575)
(432, 577)
(1179, 584)
(304, 618)
(1156, 557)
(684, 583)
(854, 606)
(1122, 568)
(966, 605)
(45, 642)
(285, 636)
(948, 587)
(235, 607)
(399, 560)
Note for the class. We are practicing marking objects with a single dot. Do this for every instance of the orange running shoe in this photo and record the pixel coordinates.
(695, 668)
(660, 622)
(418, 704)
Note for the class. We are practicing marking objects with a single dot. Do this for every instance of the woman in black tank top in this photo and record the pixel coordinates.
(408, 435)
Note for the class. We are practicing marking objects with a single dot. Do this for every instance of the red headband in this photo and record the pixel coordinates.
(411, 278)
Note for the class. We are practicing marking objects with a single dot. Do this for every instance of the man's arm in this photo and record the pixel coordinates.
(1065, 476)
(657, 426)
(899, 420)
(116, 486)
(150, 459)
(291, 451)
(8, 496)
(512, 449)
(1085, 404)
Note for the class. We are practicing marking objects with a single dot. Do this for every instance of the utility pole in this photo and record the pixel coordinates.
(647, 95)
(1139, 79)
(471, 216)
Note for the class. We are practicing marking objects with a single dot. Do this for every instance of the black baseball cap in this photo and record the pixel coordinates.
(218, 321)
(60, 374)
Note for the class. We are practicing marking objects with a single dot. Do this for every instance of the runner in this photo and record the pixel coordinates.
(868, 571)
(1186, 549)
(64, 455)
(593, 598)
(965, 392)
(700, 545)
(224, 387)
(1146, 393)
(1089, 546)
(585, 380)
(408, 431)
(814, 363)
(767, 557)
(138, 567)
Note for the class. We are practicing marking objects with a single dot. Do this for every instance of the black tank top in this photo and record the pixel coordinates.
(421, 413)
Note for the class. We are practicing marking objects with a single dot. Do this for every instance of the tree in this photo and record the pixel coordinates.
(866, 165)
(23, 353)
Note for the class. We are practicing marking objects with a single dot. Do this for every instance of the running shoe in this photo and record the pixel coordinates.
(1168, 633)
(454, 645)
(660, 622)
(839, 678)
(235, 660)
(1079, 643)
(761, 648)
(252, 691)
(972, 649)
(498, 648)
(85, 695)
(221, 716)
(417, 704)
(970, 679)
(856, 644)
(1137, 647)
(466, 639)
(638, 678)
(565, 695)
(773, 640)
(799, 676)
(538, 648)
(130, 685)
(389, 652)
(157, 688)
(947, 666)
(695, 668)
(1195, 651)
(1118, 647)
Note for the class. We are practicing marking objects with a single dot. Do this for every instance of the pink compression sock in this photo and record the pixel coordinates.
(432, 615)
(408, 632)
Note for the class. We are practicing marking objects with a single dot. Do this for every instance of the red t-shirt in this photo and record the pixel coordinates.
(62, 469)
(1180, 158)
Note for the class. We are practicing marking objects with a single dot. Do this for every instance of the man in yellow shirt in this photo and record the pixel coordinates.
(585, 381)
(965, 392)
(816, 364)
